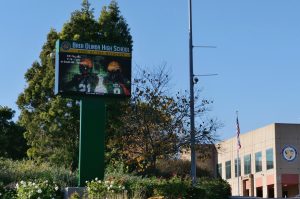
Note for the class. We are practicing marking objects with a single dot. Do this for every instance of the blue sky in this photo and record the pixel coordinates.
(257, 55)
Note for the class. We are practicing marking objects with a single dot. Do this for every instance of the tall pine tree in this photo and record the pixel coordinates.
(52, 122)
(113, 26)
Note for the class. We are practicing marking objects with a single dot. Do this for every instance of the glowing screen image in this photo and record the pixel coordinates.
(92, 69)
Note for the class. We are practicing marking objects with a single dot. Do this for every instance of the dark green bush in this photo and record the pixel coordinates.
(7, 192)
(173, 188)
(215, 188)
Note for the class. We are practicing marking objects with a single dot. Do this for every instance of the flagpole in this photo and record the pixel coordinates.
(238, 171)
(238, 151)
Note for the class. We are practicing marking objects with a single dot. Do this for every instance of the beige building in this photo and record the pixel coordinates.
(269, 163)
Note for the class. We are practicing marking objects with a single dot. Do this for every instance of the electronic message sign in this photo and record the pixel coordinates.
(84, 68)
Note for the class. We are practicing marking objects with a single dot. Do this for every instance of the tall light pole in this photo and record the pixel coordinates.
(192, 111)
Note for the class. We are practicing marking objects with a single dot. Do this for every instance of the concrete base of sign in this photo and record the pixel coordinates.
(69, 191)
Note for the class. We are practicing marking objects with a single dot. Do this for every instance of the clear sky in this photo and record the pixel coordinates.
(257, 55)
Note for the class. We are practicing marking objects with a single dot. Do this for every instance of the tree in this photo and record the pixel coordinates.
(113, 26)
(82, 25)
(155, 124)
(52, 122)
(12, 142)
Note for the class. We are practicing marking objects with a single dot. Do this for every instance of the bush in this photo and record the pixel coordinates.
(173, 188)
(7, 192)
(215, 188)
(38, 190)
(104, 189)
(26, 170)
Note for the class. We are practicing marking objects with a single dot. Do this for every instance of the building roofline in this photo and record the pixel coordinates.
(272, 124)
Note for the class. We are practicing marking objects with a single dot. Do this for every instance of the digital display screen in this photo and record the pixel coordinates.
(92, 69)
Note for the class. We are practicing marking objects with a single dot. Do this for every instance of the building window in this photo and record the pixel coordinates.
(269, 157)
(219, 170)
(236, 168)
(247, 164)
(228, 169)
(258, 162)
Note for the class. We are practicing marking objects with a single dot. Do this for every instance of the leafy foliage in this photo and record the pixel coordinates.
(173, 188)
(216, 188)
(12, 142)
(48, 118)
(52, 122)
(38, 189)
(82, 26)
(113, 26)
(144, 131)
(26, 170)
(154, 124)
(104, 189)
(7, 192)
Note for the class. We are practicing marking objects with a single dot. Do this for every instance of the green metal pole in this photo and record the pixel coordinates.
(92, 139)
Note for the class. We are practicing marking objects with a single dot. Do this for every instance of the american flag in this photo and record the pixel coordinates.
(238, 133)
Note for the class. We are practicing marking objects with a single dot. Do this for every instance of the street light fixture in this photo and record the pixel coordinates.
(193, 80)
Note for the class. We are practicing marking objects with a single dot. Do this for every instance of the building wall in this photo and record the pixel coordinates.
(254, 141)
(287, 135)
(280, 181)
(283, 179)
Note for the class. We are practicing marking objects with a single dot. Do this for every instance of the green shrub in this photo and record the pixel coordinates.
(7, 192)
(196, 192)
(215, 188)
(26, 170)
(173, 188)
(106, 189)
(38, 190)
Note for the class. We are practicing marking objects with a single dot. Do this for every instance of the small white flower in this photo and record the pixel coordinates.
(112, 191)
(96, 179)
(111, 186)
(0, 194)
(38, 198)
(56, 188)
(86, 181)
(17, 185)
(39, 191)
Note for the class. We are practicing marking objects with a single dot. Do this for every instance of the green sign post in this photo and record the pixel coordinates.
(92, 72)
(92, 139)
